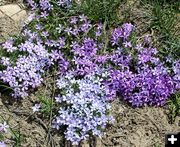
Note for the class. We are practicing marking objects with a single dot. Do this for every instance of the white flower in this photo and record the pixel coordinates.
(62, 83)
(60, 28)
(36, 108)
(3, 127)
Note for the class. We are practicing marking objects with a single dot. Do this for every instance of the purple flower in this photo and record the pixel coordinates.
(75, 31)
(58, 99)
(101, 58)
(5, 61)
(127, 44)
(32, 4)
(68, 30)
(27, 71)
(45, 34)
(85, 26)
(98, 33)
(176, 77)
(38, 27)
(148, 86)
(2, 144)
(147, 39)
(84, 110)
(99, 26)
(45, 5)
(122, 33)
(31, 17)
(73, 20)
(117, 33)
(146, 54)
(139, 47)
(56, 55)
(63, 65)
(44, 14)
(8, 46)
(61, 42)
(64, 3)
(127, 29)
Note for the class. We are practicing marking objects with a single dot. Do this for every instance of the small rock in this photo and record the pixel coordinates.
(1, 104)
(1, 14)
(85, 144)
(10, 9)
(19, 16)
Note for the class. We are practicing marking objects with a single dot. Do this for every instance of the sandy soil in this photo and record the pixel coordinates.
(142, 127)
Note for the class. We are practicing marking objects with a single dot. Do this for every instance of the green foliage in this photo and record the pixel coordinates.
(14, 134)
(172, 47)
(157, 144)
(174, 3)
(17, 137)
(101, 10)
(1, 137)
(164, 21)
(46, 105)
(174, 106)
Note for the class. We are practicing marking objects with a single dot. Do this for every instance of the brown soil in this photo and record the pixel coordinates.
(140, 127)
(33, 130)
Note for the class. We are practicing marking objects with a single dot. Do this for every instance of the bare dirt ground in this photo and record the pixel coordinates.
(142, 127)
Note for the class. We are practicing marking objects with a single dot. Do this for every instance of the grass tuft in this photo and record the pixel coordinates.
(102, 10)
(174, 107)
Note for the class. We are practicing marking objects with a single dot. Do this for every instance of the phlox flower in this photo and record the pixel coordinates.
(3, 127)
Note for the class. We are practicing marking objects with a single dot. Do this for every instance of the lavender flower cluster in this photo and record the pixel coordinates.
(84, 56)
(39, 52)
(47, 5)
(64, 3)
(27, 71)
(176, 70)
(85, 107)
(122, 32)
(137, 76)
(3, 129)
(141, 78)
